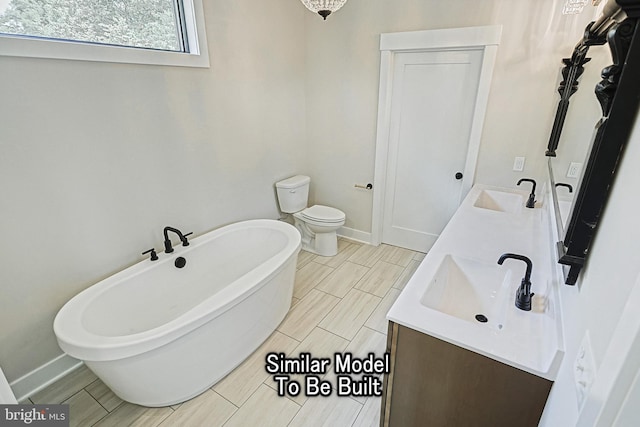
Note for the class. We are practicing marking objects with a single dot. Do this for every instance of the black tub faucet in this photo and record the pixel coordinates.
(154, 255)
(532, 197)
(523, 294)
(167, 242)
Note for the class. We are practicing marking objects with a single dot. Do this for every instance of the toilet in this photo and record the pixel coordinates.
(317, 224)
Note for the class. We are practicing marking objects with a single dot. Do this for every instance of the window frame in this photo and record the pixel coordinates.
(193, 21)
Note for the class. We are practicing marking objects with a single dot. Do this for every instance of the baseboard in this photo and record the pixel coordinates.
(353, 234)
(43, 376)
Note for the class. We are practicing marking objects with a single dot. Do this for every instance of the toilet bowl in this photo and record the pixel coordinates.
(317, 224)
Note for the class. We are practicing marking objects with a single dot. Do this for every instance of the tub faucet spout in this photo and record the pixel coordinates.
(167, 242)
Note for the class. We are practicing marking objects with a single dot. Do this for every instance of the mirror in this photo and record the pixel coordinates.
(578, 130)
(618, 97)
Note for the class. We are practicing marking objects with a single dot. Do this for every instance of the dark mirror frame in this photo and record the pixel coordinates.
(619, 97)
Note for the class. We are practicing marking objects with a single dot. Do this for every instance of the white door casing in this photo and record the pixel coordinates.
(415, 55)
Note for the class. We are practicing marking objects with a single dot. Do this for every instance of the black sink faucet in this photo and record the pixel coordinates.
(167, 242)
(523, 294)
(568, 186)
(532, 197)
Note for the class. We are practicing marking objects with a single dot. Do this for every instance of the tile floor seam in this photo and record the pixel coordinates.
(293, 418)
(243, 403)
(326, 293)
(106, 415)
(324, 276)
(103, 417)
(370, 329)
(357, 415)
(374, 295)
(211, 388)
(254, 392)
(324, 329)
(165, 418)
(108, 411)
(91, 396)
(283, 333)
(103, 407)
(75, 394)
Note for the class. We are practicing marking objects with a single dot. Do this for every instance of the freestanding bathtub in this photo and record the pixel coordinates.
(157, 335)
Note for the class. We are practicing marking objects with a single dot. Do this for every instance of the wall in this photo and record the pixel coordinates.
(342, 69)
(599, 299)
(97, 158)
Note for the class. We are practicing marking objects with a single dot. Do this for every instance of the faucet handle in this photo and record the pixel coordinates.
(185, 242)
(154, 255)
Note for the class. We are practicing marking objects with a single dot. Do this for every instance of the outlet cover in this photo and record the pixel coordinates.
(574, 170)
(518, 164)
(584, 369)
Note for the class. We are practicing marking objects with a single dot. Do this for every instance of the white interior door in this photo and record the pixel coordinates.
(432, 108)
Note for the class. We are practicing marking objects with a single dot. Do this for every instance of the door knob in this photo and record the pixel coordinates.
(459, 175)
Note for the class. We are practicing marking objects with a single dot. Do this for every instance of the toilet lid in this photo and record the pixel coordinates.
(323, 214)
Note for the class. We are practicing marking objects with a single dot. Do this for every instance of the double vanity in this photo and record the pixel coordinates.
(462, 352)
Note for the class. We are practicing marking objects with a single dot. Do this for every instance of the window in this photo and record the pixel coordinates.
(166, 32)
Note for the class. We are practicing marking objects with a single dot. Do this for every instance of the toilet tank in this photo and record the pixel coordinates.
(293, 193)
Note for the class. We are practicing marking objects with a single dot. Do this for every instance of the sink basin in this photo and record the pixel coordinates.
(501, 201)
(466, 288)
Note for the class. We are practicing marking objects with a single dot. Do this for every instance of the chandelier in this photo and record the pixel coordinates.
(573, 7)
(323, 7)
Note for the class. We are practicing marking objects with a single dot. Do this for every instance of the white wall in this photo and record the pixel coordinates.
(598, 301)
(96, 158)
(342, 69)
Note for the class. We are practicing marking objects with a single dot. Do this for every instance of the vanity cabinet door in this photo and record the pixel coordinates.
(434, 383)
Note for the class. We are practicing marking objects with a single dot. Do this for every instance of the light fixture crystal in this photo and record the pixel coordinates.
(573, 7)
(323, 7)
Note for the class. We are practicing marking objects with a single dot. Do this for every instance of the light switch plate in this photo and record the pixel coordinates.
(518, 164)
(584, 369)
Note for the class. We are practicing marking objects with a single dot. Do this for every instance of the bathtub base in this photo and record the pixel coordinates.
(188, 366)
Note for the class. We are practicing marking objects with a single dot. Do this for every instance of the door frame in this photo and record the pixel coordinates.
(487, 39)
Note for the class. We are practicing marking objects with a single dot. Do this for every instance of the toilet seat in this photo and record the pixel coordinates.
(323, 214)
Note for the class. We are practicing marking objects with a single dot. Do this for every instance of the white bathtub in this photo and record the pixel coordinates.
(158, 335)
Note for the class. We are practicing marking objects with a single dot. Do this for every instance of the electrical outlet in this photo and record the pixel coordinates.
(574, 170)
(584, 369)
(518, 164)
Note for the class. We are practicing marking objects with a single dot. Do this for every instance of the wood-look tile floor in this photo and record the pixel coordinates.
(339, 305)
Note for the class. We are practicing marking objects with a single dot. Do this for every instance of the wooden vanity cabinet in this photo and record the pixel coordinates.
(433, 383)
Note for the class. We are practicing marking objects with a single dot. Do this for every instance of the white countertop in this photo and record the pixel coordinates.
(528, 340)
